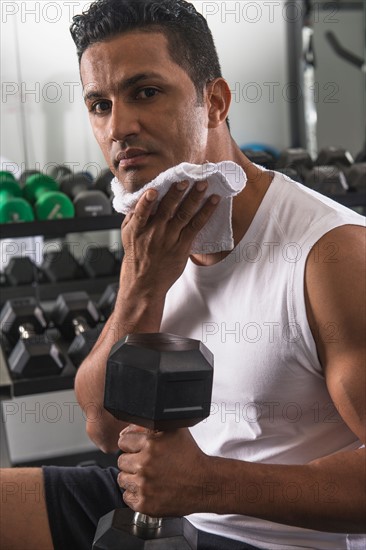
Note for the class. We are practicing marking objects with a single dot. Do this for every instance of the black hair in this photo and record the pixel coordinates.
(190, 42)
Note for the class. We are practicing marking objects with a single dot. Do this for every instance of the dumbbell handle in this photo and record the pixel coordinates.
(147, 522)
(26, 331)
(142, 520)
(80, 325)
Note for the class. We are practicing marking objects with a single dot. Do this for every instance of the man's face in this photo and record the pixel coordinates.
(143, 107)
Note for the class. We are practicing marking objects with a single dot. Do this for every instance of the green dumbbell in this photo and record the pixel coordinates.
(49, 202)
(13, 208)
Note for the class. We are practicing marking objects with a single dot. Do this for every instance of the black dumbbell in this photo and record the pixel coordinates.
(335, 181)
(59, 171)
(75, 315)
(334, 156)
(295, 159)
(356, 177)
(83, 343)
(103, 182)
(22, 271)
(60, 265)
(87, 201)
(99, 261)
(361, 156)
(162, 382)
(263, 158)
(23, 322)
(108, 299)
(328, 179)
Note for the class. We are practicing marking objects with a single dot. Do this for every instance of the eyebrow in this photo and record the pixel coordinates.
(123, 86)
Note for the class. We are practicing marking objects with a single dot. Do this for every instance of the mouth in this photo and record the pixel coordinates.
(130, 158)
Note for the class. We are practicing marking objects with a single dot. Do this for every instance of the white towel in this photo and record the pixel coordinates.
(225, 179)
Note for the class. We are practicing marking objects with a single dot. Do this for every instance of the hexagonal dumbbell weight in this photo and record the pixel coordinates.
(87, 201)
(76, 315)
(23, 322)
(162, 382)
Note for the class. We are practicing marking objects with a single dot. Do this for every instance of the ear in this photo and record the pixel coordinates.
(218, 100)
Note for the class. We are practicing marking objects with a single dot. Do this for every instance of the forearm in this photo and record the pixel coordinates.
(325, 495)
(132, 314)
(156, 252)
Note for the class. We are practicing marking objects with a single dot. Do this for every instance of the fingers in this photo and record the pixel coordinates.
(133, 438)
(169, 203)
(192, 211)
(144, 208)
(199, 220)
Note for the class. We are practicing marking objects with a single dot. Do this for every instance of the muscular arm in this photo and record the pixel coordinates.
(156, 251)
(327, 494)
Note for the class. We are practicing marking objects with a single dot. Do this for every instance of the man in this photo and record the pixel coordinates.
(279, 463)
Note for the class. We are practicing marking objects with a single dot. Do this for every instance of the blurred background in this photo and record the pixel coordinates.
(265, 57)
(296, 70)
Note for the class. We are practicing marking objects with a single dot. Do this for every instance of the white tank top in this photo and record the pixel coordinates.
(270, 403)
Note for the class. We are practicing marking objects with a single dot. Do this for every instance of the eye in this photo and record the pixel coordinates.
(100, 107)
(147, 93)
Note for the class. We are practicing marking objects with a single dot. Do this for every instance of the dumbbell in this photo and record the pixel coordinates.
(334, 156)
(13, 208)
(87, 201)
(295, 159)
(23, 322)
(108, 299)
(337, 179)
(356, 177)
(59, 171)
(99, 261)
(326, 179)
(354, 173)
(161, 382)
(25, 175)
(60, 265)
(75, 315)
(22, 271)
(49, 203)
(103, 182)
(361, 156)
(263, 158)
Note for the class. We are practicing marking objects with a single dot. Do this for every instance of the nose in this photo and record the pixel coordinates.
(123, 121)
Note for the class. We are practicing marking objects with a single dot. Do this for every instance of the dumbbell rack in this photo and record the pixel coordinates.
(47, 292)
(55, 229)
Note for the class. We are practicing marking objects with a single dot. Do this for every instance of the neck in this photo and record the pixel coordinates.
(245, 204)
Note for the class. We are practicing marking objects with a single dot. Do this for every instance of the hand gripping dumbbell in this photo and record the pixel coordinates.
(87, 201)
(49, 203)
(23, 322)
(161, 382)
(77, 316)
(13, 208)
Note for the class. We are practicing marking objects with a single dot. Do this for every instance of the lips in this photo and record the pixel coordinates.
(129, 154)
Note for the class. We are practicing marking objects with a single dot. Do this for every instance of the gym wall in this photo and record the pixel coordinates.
(46, 95)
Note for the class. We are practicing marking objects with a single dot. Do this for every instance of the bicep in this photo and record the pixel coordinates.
(336, 297)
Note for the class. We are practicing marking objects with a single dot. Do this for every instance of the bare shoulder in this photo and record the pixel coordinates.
(335, 293)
